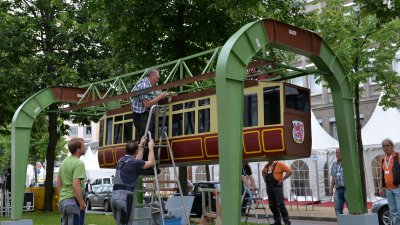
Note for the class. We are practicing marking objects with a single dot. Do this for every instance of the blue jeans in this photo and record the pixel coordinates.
(70, 213)
(340, 199)
(393, 198)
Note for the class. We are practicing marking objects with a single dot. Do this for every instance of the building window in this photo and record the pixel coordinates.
(326, 178)
(88, 130)
(74, 131)
(396, 63)
(333, 129)
(300, 180)
(315, 89)
(376, 172)
(200, 173)
(298, 81)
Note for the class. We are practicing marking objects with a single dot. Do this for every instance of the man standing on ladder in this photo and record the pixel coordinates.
(125, 180)
(142, 103)
(273, 177)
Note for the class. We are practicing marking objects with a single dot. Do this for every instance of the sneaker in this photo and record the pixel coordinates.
(288, 223)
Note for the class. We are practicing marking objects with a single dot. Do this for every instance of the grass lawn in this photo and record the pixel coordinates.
(53, 218)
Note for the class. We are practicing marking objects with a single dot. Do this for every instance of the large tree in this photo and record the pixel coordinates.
(50, 43)
(145, 33)
(384, 10)
(366, 51)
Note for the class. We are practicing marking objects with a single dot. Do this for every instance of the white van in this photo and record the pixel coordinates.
(99, 181)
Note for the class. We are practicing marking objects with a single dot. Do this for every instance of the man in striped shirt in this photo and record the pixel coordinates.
(338, 182)
(142, 103)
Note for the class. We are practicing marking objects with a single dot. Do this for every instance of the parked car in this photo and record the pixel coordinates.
(381, 208)
(101, 197)
(100, 181)
(196, 192)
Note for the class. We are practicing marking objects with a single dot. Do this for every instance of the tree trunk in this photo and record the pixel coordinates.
(50, 157)
(208, 174)
(360, 145)
(183, 179)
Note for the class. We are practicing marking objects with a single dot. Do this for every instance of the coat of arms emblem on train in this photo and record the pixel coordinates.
(298, 131)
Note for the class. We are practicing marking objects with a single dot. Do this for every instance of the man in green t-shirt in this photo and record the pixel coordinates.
(71, 185)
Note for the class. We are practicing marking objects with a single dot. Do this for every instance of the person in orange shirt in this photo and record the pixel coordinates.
(391, 179)
(273, 177)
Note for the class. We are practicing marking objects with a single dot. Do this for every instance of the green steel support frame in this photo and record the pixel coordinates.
(20, 137)
(230, 75)
(233, 59)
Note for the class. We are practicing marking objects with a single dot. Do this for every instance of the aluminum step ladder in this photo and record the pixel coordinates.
(155, 192)
(255, 203)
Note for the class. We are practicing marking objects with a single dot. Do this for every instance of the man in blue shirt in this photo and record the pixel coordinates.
(125, 180)
(338, 182)
(142, 103)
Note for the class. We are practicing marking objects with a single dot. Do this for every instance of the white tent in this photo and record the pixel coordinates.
(90, 160)
(92, 167)
(381, 125)
(322, 151)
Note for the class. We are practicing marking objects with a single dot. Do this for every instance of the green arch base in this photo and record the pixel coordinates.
(231, 69)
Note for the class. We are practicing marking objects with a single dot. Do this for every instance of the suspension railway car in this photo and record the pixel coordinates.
(276, 124)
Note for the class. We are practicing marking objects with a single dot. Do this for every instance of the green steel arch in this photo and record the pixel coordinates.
(233, 59)
(20, 139)
(21, 135)
(230, 74)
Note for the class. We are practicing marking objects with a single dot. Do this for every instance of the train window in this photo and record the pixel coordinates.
(272, 107)
(177, 107)
(190, 119)
(177, 124)
(101, 133)
(160, 123)
(203, 102)
(189, 105)
(250, 110)
(127, 131)
(296, 99)
(118, 118)
(128, 116)
(204, 120)
(109, 131)
(118, 133)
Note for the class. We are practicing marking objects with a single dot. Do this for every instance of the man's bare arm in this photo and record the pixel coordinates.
(59, 184)
(76, 186)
